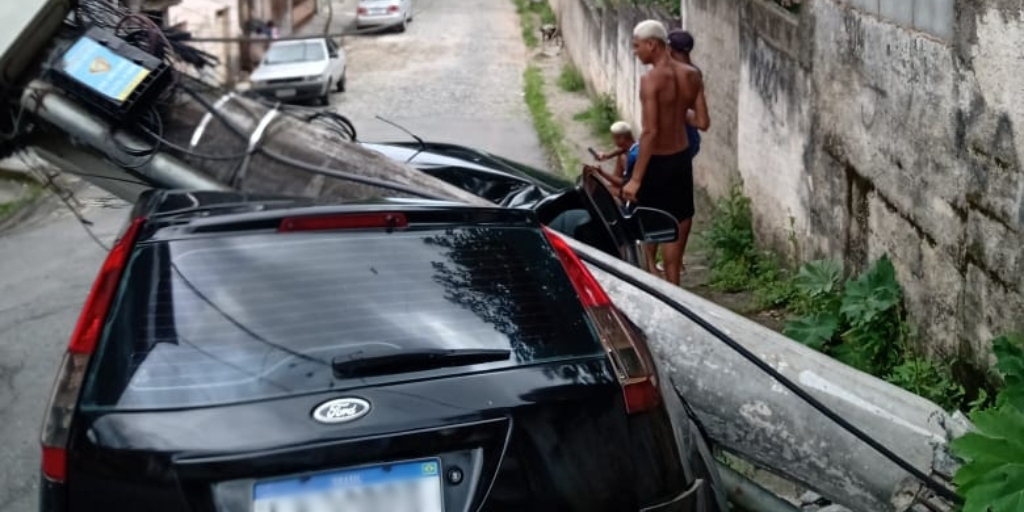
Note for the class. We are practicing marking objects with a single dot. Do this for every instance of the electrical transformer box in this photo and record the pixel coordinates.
(111, 76)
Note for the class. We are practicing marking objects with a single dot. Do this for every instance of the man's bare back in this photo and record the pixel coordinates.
(671, 89)
(663, 174)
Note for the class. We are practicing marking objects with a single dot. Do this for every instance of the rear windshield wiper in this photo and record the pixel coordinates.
(354, 366)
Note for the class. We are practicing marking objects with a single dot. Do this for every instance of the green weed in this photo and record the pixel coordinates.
(600, 116)
(527, 22)
(859, 321)
(571, 80)
(992, 477)
(551, 136)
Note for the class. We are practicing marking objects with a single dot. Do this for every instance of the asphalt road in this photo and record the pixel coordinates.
(455, 76)
(47, 266)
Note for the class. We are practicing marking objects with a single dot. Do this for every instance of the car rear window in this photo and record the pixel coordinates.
(288, 53)
(245, 317)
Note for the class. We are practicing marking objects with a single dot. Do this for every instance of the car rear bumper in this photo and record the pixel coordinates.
(291, 90)
(372, 20)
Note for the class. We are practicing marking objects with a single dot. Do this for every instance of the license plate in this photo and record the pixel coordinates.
(402, 487)
(285, 93)
(378, 12)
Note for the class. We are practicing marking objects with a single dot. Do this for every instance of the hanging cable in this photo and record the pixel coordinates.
(929, 482)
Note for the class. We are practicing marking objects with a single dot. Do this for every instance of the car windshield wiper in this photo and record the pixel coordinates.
(354, 366)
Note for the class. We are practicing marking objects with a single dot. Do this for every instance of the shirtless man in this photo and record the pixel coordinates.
(663, 175)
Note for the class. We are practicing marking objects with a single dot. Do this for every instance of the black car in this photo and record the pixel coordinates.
(584, 210)
(259, 354)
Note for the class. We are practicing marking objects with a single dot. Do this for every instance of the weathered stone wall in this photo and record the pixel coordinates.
(864, 128)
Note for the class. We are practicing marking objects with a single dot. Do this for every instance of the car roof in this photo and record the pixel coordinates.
(287, 42)
(439, 154)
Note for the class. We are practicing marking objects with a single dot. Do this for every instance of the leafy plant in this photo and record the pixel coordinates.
(992, 477)
(730, 237)
(871, 295)
(816, 330)
(600, 116)
(571, 80)
(924, 378)
(773, 286)
(871, 309)
(817, 287)
(819, 278)
(1010, 357)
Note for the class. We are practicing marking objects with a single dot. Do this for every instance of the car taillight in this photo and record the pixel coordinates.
(392, 8)
(362, 10)
(71, 375)
(633, 363)
(343, 221)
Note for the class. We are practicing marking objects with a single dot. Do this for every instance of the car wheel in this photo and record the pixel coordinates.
(325, 99)
(404, 25)
(341, 83)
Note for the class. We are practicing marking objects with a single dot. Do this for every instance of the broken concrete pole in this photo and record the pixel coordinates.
(749, 413)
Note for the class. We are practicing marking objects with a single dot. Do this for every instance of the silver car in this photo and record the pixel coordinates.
(306, 69)
(376, 13)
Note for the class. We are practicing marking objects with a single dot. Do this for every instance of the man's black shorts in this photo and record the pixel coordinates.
(668, 185)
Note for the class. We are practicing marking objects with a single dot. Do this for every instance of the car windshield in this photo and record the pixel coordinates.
(286, 53)
(247, 317)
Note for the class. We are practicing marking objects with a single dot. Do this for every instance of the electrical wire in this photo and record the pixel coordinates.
(935, 486)
(191, 152)
(55, 189)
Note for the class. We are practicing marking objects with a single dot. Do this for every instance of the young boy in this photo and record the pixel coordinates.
(625, 153)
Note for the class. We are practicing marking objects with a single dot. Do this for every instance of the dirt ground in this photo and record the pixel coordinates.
(578, 136)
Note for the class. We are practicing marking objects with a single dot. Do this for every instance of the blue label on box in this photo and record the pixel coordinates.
(102, 70)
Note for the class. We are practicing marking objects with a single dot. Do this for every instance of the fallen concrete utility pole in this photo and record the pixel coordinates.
(744, 410)
(748, 413)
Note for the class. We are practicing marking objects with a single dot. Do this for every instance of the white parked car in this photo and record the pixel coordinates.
(375, 13)
(300, 70)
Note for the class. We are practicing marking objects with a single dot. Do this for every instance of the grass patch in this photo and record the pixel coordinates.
(571, 80)
(551, 136)
(527, 22)
(9, 209)
(600, 116)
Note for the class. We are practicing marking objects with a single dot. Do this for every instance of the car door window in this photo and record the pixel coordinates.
(610, 214)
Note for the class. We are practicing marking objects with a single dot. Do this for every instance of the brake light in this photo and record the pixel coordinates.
(71, 375)
(362, 10)
(633, 363)
(590, 292)
(392, 8)
(343, 221)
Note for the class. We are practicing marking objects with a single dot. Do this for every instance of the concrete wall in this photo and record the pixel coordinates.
(861, 128)
(600, 42)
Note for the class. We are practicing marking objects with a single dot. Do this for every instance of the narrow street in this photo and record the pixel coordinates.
(454, 76)
(49, 263)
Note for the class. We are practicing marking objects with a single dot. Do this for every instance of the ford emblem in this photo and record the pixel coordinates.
(341, 410)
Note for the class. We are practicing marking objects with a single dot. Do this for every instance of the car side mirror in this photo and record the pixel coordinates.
(656, 226)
